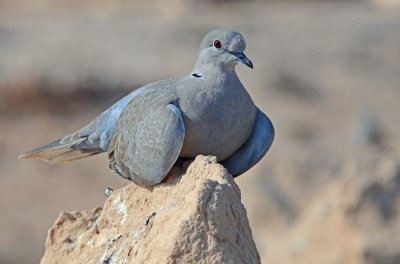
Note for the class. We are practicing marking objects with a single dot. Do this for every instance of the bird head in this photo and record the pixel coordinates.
(223, 48)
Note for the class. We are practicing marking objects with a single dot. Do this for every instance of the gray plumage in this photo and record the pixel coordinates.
(207, 112)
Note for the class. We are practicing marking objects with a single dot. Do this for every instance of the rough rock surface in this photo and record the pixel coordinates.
(193, 218)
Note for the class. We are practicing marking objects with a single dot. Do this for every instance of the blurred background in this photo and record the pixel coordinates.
(326, 72)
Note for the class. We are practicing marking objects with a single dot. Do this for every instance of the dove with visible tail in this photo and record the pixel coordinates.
(207, 112)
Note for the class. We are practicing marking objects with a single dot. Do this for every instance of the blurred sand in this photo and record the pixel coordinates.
(327, 74)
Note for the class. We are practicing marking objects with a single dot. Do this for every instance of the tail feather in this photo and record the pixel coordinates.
(72, 155)
(57, 152)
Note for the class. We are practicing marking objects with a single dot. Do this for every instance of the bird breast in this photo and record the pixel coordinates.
(219, 116)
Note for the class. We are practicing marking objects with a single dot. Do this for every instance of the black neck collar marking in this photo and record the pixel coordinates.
(197, 75)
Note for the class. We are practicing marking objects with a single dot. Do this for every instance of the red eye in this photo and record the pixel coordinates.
(217, 44)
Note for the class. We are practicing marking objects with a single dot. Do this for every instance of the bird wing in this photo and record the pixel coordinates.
(148, 138)
(90, 140)
(254, 148)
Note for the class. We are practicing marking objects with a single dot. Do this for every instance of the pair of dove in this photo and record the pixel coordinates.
(207, 112)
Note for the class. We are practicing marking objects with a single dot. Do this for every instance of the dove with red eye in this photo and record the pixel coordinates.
(206, 112)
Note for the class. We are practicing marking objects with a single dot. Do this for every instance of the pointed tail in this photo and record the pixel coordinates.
(59, 151)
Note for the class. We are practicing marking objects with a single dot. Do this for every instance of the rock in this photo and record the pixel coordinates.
(196, 217)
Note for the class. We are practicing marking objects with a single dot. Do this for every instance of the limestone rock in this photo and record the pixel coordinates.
(192, 218)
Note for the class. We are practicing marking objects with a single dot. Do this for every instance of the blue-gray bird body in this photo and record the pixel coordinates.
(207, 112)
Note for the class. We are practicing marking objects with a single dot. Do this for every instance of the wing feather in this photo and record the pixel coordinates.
(148, 138)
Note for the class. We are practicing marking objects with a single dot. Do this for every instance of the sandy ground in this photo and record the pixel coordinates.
(327, 74)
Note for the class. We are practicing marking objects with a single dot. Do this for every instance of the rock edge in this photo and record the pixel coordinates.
(196, 217)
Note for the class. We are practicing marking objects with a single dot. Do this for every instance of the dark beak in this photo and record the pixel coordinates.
(243, 59)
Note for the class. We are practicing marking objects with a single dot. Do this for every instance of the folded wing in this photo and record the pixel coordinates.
(90, 140)
(147, 141)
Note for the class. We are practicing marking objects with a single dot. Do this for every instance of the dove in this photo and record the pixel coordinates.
(207, 111)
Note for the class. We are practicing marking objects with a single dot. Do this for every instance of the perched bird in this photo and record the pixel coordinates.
(206, 112)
